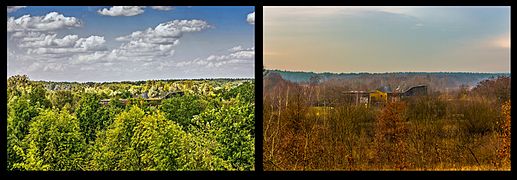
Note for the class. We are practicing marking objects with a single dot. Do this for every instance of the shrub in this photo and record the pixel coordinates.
(426, 108)
(505, 136)
(479, 117)
(390, 136)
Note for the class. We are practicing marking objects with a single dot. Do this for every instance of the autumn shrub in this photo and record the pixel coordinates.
(433, 132)
(390, 137)
(479, 117)
(346, 124)
(504, 150)
(296, 108)
(288, 131)
(426, 108)
(495, 88)
(280, 141)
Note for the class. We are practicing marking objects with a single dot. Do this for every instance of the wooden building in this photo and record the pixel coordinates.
(416, 91)
(383, 95)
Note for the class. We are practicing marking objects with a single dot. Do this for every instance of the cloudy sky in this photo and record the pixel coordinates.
(387, 39)
(130, 42)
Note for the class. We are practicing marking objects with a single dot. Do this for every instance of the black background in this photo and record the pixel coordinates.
(258, 93)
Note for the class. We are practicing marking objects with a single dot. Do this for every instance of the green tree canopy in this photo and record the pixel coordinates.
(55, 143)
(181, 109)
(91, 116)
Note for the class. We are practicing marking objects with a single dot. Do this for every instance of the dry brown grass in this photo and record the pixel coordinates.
(504, 150)
(390, 137)
(427, 134)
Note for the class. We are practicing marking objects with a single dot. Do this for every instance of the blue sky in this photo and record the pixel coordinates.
(387, 39)
(96, 43)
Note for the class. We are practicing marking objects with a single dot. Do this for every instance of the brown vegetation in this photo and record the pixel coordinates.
(435, 132)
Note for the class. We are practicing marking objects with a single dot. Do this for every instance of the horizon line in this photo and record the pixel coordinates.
(120, 81)
(356, 72)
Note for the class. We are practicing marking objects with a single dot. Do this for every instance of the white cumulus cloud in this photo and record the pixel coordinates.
(162, 8)
(54, 67)
(49, 22)
(150, 45)
(69, 45)
(157, 41)
(166, 33)
(251, 18)
(11, 9)
(91, 58)
(237, 55)
(240, 48)
(122, 11)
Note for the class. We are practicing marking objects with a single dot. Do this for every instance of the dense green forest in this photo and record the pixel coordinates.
(64, 126)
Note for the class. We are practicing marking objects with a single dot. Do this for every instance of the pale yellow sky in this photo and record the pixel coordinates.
(383, 39)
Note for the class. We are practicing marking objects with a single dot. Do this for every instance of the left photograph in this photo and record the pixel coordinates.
(130, 88)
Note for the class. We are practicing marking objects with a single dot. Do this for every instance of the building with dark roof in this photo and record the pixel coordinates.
(419, 90)
(384, 94)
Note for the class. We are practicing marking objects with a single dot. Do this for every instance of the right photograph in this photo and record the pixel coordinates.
(386, 88)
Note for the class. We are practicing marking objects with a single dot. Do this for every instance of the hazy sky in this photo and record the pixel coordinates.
(130, 42)
(387, 39)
